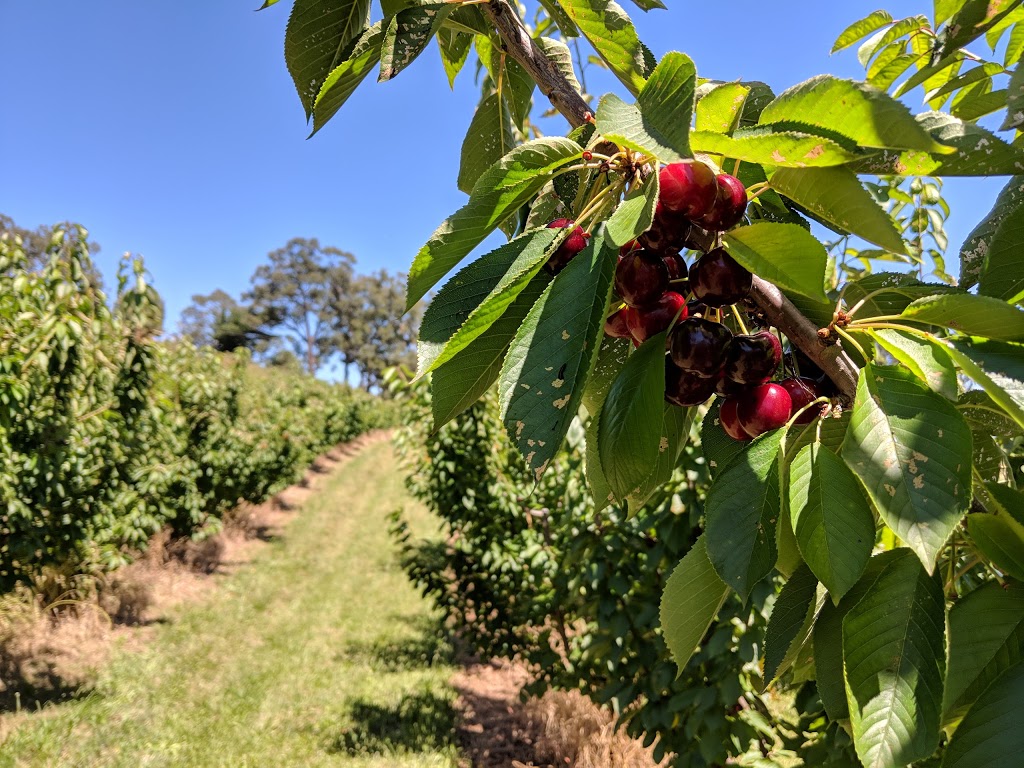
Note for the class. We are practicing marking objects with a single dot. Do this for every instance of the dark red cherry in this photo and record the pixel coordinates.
(683, 388)
(763, 408)
(572, 245)
(675, 265)
(640, 278)
(688, 188)
(670, 231)
(717, 280)
(652, 320)
(617, 324)
(729, 206)
(802, 392)
(699, 346)
(753, 359)
(631, 245)
(726, 387)
(730, 420)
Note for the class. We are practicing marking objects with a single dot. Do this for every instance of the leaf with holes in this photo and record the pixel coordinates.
(692, 598)
(409, 32)
(894, 655)
(489, 138)
(547, 366)
(911, 449)
(974, 315)
(608, 28)
(784, 254)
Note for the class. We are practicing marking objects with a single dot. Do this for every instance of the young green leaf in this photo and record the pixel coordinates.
(974, 315)
(861, 28)
(741, 512)
(929, 362)
(632, 418)
(784, 254)
(894, 655)
(608, 28)
(837, 196)
(911, 449)
(1003, 274)
(991, 730)
(659, 123)
(546, 369)
(789, 615)
(500, 191)
(635, 213)
(788, 149)
(343, 80)
(692, 598)
(833, 522)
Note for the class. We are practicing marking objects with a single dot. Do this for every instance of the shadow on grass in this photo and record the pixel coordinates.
(45, 688)
(426, 649)
(421, 722)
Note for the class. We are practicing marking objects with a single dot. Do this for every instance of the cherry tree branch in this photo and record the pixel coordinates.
(779, 310)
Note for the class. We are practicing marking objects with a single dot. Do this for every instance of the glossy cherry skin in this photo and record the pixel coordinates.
(572, 245)
(688, 188)
(699, 346)
(802, 392)
(730, 421)
(726, 387)
(753, 358)
(763, 408)
(683, 388)
(717, 280)
(677, 270)
(670, 231)
(652, 320)
(729, 206)
(617, 324)
(641, 278)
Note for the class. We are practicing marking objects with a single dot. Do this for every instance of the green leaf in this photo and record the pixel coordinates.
(508, 78)
(1003, 273)
(991, 732)
(836, 195)
(464, 379)
(984, 415)
(659, 123)
(343, 80)
(784, 254)
(965, 79)
(560, 55)
(608, 28)
(675, 432)
(741, 512)
(927, 361)
(912, 451)
(319, 37)
(976, 246)
(632, 419)
(887, 293)
(986, 637)
(972, 20)
(611, 357)
(789, 614)
(720, 108)
(788, 149)
(478, 295)
(974, 315)
(833, 522)
(996, 367)
(409, 32)
(501, 191)
(894, 655)
(975, 103)
(489, 138)
(1000, 538)
(946, 8)
(692, 598)
(861, 28)
(546, 369)
(635, 213)
(454, 47)
(870, 117)
(719, 449)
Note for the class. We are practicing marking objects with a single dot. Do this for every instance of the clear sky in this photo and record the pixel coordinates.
(173, 130)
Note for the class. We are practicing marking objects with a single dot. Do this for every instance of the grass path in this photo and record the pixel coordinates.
(317, 653)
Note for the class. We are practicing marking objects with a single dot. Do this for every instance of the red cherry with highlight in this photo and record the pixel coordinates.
(641, 278)
(650, 321)
(763, 408)
(617, 324)
(730, 421)
(688, 188)
(699, 346)
(572, 245)
(753, 358)
(802, 392)
(729, 206)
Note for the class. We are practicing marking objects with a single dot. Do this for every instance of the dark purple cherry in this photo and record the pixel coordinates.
(675, 265)
(652, 320)
(802, 392)
(688, 188)
(753, 359)
(683, 388)
(670, 231)
(640, 278)
(763, 408)
(717, 280)
(729, 206)
(572, 245)
(730, 420)
(699, 346)
(617, 324)
(726, 387)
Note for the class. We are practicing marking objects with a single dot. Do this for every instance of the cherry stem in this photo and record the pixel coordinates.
(739, 319)
(856, 345)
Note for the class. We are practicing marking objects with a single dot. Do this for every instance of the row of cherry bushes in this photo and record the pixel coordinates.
(527, 570)
(108, 436)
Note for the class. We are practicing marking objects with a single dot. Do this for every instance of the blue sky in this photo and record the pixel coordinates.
(173, 129)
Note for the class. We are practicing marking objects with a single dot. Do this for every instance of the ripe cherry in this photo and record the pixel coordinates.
(652, 320)
(572, 245)
(802, 392)
(726, 387)
(729, 206)
(617, 324)
(753, 359)
(730, 420)
(677, 270)
(630, 245)
(699, 346)
(763, 408)
(717, 280)
(683, 388)
(640, 278)
(688, 188)
(669, 231)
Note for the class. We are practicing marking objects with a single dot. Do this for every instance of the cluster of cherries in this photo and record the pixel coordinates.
(704, 357)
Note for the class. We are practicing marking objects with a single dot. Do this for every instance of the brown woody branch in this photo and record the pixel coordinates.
(777, 308)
